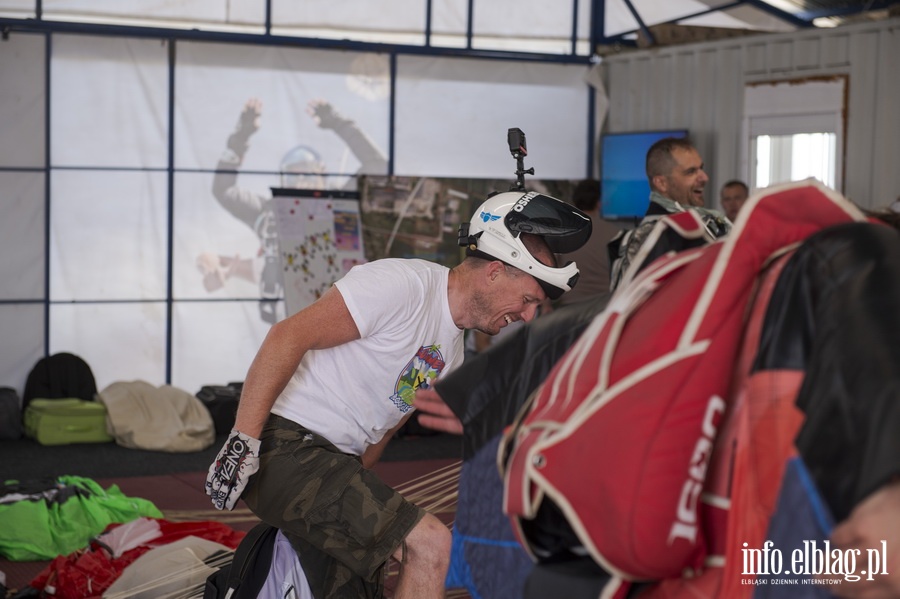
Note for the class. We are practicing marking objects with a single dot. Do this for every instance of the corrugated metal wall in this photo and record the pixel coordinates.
(701, 87)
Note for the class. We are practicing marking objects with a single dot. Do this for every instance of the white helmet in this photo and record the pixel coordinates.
(495, 229)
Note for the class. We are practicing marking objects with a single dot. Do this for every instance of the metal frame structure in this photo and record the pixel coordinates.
(807, 12)
(802, 19)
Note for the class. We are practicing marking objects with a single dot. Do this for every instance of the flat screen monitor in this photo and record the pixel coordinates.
(624, 191)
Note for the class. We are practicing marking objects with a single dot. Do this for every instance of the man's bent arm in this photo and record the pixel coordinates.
(326, 323)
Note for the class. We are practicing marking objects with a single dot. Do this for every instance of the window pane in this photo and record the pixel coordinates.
(218, 252)
(219, 15)
(515, 26)
(292, 91)
(22, 100)
(22, 331)
(109, 104)
(784, 158)
(813, 156)
(213, 343)
(22, 231)
(18, 9)
(120, 342)
(449, 22)
(108, 234)
(397, 21)
(548, 102)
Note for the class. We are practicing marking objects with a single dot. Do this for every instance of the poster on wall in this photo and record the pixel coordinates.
(419, 217)
(319, 240)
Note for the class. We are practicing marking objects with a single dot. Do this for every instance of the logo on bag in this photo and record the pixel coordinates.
(685, 525)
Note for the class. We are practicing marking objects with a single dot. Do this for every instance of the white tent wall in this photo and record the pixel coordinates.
(22, 206)
(104, 228)
(700, 87)
(487, 98)
(107, 214)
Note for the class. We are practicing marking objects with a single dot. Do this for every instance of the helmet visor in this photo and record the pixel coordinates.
(563, 227)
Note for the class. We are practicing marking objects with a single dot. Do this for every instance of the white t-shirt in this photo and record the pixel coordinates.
(355, 393)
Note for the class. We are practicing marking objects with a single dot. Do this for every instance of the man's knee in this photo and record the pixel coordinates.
(427, 543)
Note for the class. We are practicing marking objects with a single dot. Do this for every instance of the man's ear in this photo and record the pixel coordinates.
(494, 269)
(660, 184)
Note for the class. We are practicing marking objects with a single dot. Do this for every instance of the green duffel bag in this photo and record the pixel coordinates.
(65, 421)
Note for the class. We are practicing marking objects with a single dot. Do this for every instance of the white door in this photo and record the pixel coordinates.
(795, 130)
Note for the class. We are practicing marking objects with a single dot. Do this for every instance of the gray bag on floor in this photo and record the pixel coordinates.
(10, 415)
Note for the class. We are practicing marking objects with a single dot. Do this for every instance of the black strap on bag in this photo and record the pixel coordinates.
(247, 573)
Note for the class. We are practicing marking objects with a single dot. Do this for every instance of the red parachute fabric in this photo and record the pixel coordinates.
(88, 573)
(728, 521)
(620, 435)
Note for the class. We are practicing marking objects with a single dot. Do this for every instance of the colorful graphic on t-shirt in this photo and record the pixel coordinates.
(418, 373)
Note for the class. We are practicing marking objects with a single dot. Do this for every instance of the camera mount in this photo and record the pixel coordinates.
(515, 137)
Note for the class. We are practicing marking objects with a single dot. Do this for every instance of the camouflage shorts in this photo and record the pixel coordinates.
(342, 520)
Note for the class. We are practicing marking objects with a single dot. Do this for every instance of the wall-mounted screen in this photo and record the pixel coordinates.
(624, 191)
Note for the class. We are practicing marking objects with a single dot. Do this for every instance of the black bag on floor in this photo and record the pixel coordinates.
(59, 376)
(247, 573)
(222, 403)
(10, 415)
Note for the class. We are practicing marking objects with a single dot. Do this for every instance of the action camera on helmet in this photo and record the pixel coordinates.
(515, 138)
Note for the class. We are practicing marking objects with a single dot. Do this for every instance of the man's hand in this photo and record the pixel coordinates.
(247, 125)
(213, 270)
(324, 114)
(237, 461)
(434, 413)
(875, 519)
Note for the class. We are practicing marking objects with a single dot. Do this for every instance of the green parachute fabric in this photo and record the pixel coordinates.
(60, 516)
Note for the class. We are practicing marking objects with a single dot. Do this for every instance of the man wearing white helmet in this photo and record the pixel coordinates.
(331, 384)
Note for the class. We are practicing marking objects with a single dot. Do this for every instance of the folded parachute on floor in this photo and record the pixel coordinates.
(45, 518)
(95, 567)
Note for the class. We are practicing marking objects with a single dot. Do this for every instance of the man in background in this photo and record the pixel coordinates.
(592, 258)
(732, 196)
(677, 181)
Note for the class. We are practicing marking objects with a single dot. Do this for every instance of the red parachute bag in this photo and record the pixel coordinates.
(619, 437)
